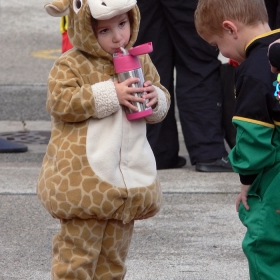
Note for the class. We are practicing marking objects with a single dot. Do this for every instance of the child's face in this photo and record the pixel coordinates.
(227, 45)
(113, 33)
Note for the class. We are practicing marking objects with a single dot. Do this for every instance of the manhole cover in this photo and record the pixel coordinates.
(27, 137)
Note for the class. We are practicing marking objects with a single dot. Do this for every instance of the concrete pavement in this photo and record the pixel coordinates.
(196, 236)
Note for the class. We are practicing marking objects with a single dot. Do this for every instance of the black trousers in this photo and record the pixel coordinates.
(273, 10)
(169, 25)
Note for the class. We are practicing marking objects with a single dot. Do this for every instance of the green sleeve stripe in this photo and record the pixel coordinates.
(254, 121)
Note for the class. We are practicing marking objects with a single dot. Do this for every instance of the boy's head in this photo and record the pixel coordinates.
(210, 14)
(231, 24)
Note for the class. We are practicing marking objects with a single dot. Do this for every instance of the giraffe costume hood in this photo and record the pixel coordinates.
(98, 164)
(79, 26)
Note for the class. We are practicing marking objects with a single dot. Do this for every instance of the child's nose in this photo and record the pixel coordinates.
(116, 37)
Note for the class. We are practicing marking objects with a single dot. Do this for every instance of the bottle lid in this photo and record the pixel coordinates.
(125, 61)
(141, 49)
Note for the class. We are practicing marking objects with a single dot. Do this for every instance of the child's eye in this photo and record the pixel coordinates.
(77, 5)
(103, 31)
(122, 23)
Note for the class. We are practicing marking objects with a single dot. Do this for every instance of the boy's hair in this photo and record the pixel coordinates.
(210, 14)
(94, 22)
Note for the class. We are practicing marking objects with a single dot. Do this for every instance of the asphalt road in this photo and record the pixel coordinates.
(30, 41)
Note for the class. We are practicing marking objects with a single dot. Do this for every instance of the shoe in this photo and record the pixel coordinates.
(180, 163)
(11, 147)
(219, 165)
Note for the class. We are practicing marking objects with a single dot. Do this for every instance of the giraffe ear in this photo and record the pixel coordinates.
(58, 8)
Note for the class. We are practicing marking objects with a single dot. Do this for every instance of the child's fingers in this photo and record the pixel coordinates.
(133, 80)
(244, 201)
(130, 106)
(237, 206)
(152, 102)
(147, 83)
(241, 198)
(237, 203)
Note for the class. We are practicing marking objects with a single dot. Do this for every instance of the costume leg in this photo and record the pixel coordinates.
(261, 243)
(163, 137)
(91, 249)
(76, 249)
(115, 246)
(198, 84)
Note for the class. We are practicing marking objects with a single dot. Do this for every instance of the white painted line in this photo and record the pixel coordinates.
(11, 126)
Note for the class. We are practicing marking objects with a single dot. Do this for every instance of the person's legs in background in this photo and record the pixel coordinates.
(272, 10)
(198, 85)
(277, 24)
(163, 137)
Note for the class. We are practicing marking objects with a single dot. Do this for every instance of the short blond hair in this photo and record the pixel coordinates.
(210, 14)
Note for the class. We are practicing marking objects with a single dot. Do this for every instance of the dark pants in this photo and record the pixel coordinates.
(273, 10)
(170, 26)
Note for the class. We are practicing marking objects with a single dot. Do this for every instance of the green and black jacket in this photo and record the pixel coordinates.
(257, 112)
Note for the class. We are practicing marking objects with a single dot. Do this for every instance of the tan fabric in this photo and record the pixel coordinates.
(98, 164)
(91, 249)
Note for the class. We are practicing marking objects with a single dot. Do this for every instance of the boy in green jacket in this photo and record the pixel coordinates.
(239, 28)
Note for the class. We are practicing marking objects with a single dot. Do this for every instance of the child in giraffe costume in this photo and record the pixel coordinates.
(99, 173)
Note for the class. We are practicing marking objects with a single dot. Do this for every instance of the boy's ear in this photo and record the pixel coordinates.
(230, 28)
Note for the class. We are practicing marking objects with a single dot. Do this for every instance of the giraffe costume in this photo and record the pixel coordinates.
(99, 172)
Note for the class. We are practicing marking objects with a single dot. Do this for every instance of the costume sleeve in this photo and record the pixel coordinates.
(150, 73)
(72, 99)
(254, 149)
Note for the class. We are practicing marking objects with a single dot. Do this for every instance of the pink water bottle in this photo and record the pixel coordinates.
(127, 65)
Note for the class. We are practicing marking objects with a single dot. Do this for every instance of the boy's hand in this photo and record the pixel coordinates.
(151, 95)
(125, 93)
(242, 197)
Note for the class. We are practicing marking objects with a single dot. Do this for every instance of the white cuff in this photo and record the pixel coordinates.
(105, 97)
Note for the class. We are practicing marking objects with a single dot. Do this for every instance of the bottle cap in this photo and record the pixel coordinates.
(124, 62)
(141, 49)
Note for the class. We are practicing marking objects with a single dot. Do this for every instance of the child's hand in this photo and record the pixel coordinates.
(151, 95)
(242, 197)
(125, 93)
